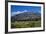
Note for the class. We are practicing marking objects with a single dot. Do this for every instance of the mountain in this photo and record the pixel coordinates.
(26, 16)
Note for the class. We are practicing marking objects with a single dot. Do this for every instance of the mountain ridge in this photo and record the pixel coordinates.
(26, 16)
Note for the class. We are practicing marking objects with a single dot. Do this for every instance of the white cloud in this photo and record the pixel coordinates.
(18, 12)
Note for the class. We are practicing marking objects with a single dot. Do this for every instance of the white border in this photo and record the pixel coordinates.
(23, 29)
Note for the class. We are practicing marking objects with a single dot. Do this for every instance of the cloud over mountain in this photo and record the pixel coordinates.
(18, 12)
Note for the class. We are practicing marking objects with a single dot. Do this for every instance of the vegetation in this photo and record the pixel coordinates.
(25, 24)
(26, 20)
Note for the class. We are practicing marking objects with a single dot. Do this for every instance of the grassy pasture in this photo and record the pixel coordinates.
(25, 24)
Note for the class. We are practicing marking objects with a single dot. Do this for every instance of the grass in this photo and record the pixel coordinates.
(25, 24)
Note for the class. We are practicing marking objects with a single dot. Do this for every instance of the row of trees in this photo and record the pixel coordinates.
(30, 19)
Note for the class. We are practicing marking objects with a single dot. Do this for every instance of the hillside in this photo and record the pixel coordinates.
(26, 16)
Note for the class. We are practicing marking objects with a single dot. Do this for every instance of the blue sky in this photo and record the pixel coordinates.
(20, 9)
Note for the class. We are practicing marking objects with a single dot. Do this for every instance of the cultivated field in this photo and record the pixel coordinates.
(25, 24)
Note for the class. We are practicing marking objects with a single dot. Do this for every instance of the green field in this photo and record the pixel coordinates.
(25, 24)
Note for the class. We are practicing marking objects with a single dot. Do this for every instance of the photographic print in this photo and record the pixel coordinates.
(25, 16)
